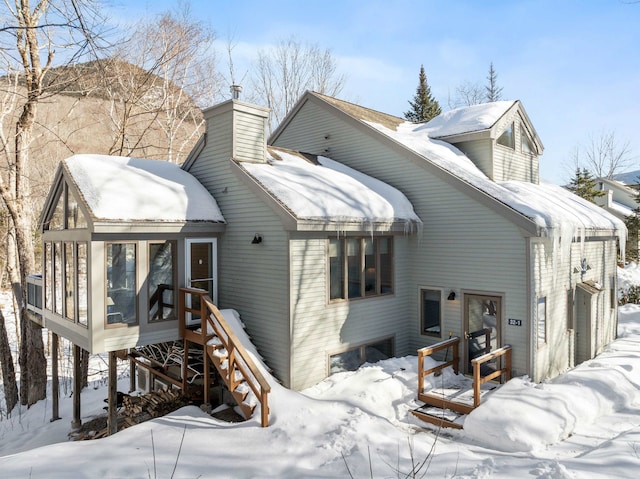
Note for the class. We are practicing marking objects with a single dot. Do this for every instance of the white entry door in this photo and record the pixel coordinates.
(201, 271)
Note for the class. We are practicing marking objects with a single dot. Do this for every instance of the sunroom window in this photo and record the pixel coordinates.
(360, 267)
(162, 271)
(121, 283)
(67, 213)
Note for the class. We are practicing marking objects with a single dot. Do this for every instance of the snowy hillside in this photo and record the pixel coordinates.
(583, 424)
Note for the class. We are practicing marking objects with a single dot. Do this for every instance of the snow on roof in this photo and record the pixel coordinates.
(329, 191)
(467, 119)
(122, 188)
(550, 207)
(628, 178)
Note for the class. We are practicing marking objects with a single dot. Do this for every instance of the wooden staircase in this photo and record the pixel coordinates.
(225, 351)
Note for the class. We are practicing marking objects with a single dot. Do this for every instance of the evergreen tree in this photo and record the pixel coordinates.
(493, 91)
(423, 107)
(584, 185)
(632, 222)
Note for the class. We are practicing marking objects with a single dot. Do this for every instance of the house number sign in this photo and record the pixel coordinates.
(514, 322)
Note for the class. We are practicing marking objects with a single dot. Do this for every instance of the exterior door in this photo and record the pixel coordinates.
(201, 271)
(481, 326)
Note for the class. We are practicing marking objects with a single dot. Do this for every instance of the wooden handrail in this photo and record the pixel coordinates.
(429, 350)
(238, 357)
(479, 380)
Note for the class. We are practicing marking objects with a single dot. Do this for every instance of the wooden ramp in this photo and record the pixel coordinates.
(453, 397)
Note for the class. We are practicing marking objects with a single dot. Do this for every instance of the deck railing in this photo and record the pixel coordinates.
(213, 324)
(504, 373)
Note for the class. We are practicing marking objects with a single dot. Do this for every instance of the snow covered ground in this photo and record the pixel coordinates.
(583, 424)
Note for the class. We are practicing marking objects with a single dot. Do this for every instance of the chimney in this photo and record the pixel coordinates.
(235, 91)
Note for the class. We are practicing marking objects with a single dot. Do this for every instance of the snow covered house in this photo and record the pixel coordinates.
(351, 237)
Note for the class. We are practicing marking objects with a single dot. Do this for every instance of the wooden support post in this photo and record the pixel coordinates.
(112, 418)
(55, 381)
(77, 387)
(132, 375)
(207, 374)
(185, 365)
(420, 373)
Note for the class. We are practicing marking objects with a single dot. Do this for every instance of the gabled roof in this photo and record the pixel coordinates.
(318, 189)
(524, 204)
(468, 119)
(135, 190)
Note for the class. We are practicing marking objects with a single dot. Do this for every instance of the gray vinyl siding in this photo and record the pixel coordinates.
(253, 278)
(321, 328)
(445, 255)
(249, 138)
(480, 152)
(513, 164)
(553, 277)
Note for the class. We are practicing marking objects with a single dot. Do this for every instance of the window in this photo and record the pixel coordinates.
(81, 267)
(507, 138)
(613, 297)
(69, 281)
(352, 359)
(57, 278)
(162, 271)
(525, 142)
(541, 311)
(431, 314)
(67, 214)
(121, 283)
(360, 267)
(65, 280)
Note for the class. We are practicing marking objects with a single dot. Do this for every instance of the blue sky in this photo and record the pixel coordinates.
(574, 64)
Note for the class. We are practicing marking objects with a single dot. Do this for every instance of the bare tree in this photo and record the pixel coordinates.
(282, 74)
(603, 154)
(30, 36)
(468, 94)
(155, 81)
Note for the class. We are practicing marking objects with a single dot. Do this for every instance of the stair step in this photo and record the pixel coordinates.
(439, 417)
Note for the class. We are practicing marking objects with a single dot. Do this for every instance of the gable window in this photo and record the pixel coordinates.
(525, 143)
(67, 213)
(162, 271)
(360, 267)
(121, 283)
(431, 311)
(507, 138)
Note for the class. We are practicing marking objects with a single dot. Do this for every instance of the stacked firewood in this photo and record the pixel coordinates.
(137, 409)
(134, 410)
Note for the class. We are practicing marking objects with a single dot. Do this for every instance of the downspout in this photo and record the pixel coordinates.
(532, 325)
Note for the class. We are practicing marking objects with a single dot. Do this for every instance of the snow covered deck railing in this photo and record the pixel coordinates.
(234, 363)
(504, 373)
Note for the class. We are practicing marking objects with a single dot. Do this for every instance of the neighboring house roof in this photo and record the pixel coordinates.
(117, 188)
(317, 188)
(628, 178)
(543, 209)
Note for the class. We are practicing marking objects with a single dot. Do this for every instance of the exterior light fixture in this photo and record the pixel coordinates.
(452, 296)
(257, 239)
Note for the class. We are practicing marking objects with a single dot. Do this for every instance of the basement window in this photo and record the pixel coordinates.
(431, 311)
(353, 358)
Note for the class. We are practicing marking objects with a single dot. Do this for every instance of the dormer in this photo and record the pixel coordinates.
(498, 137)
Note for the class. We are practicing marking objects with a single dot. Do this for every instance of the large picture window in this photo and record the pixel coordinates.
(162, 271)
(360, 267)
(431, 311)
(121, 283)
